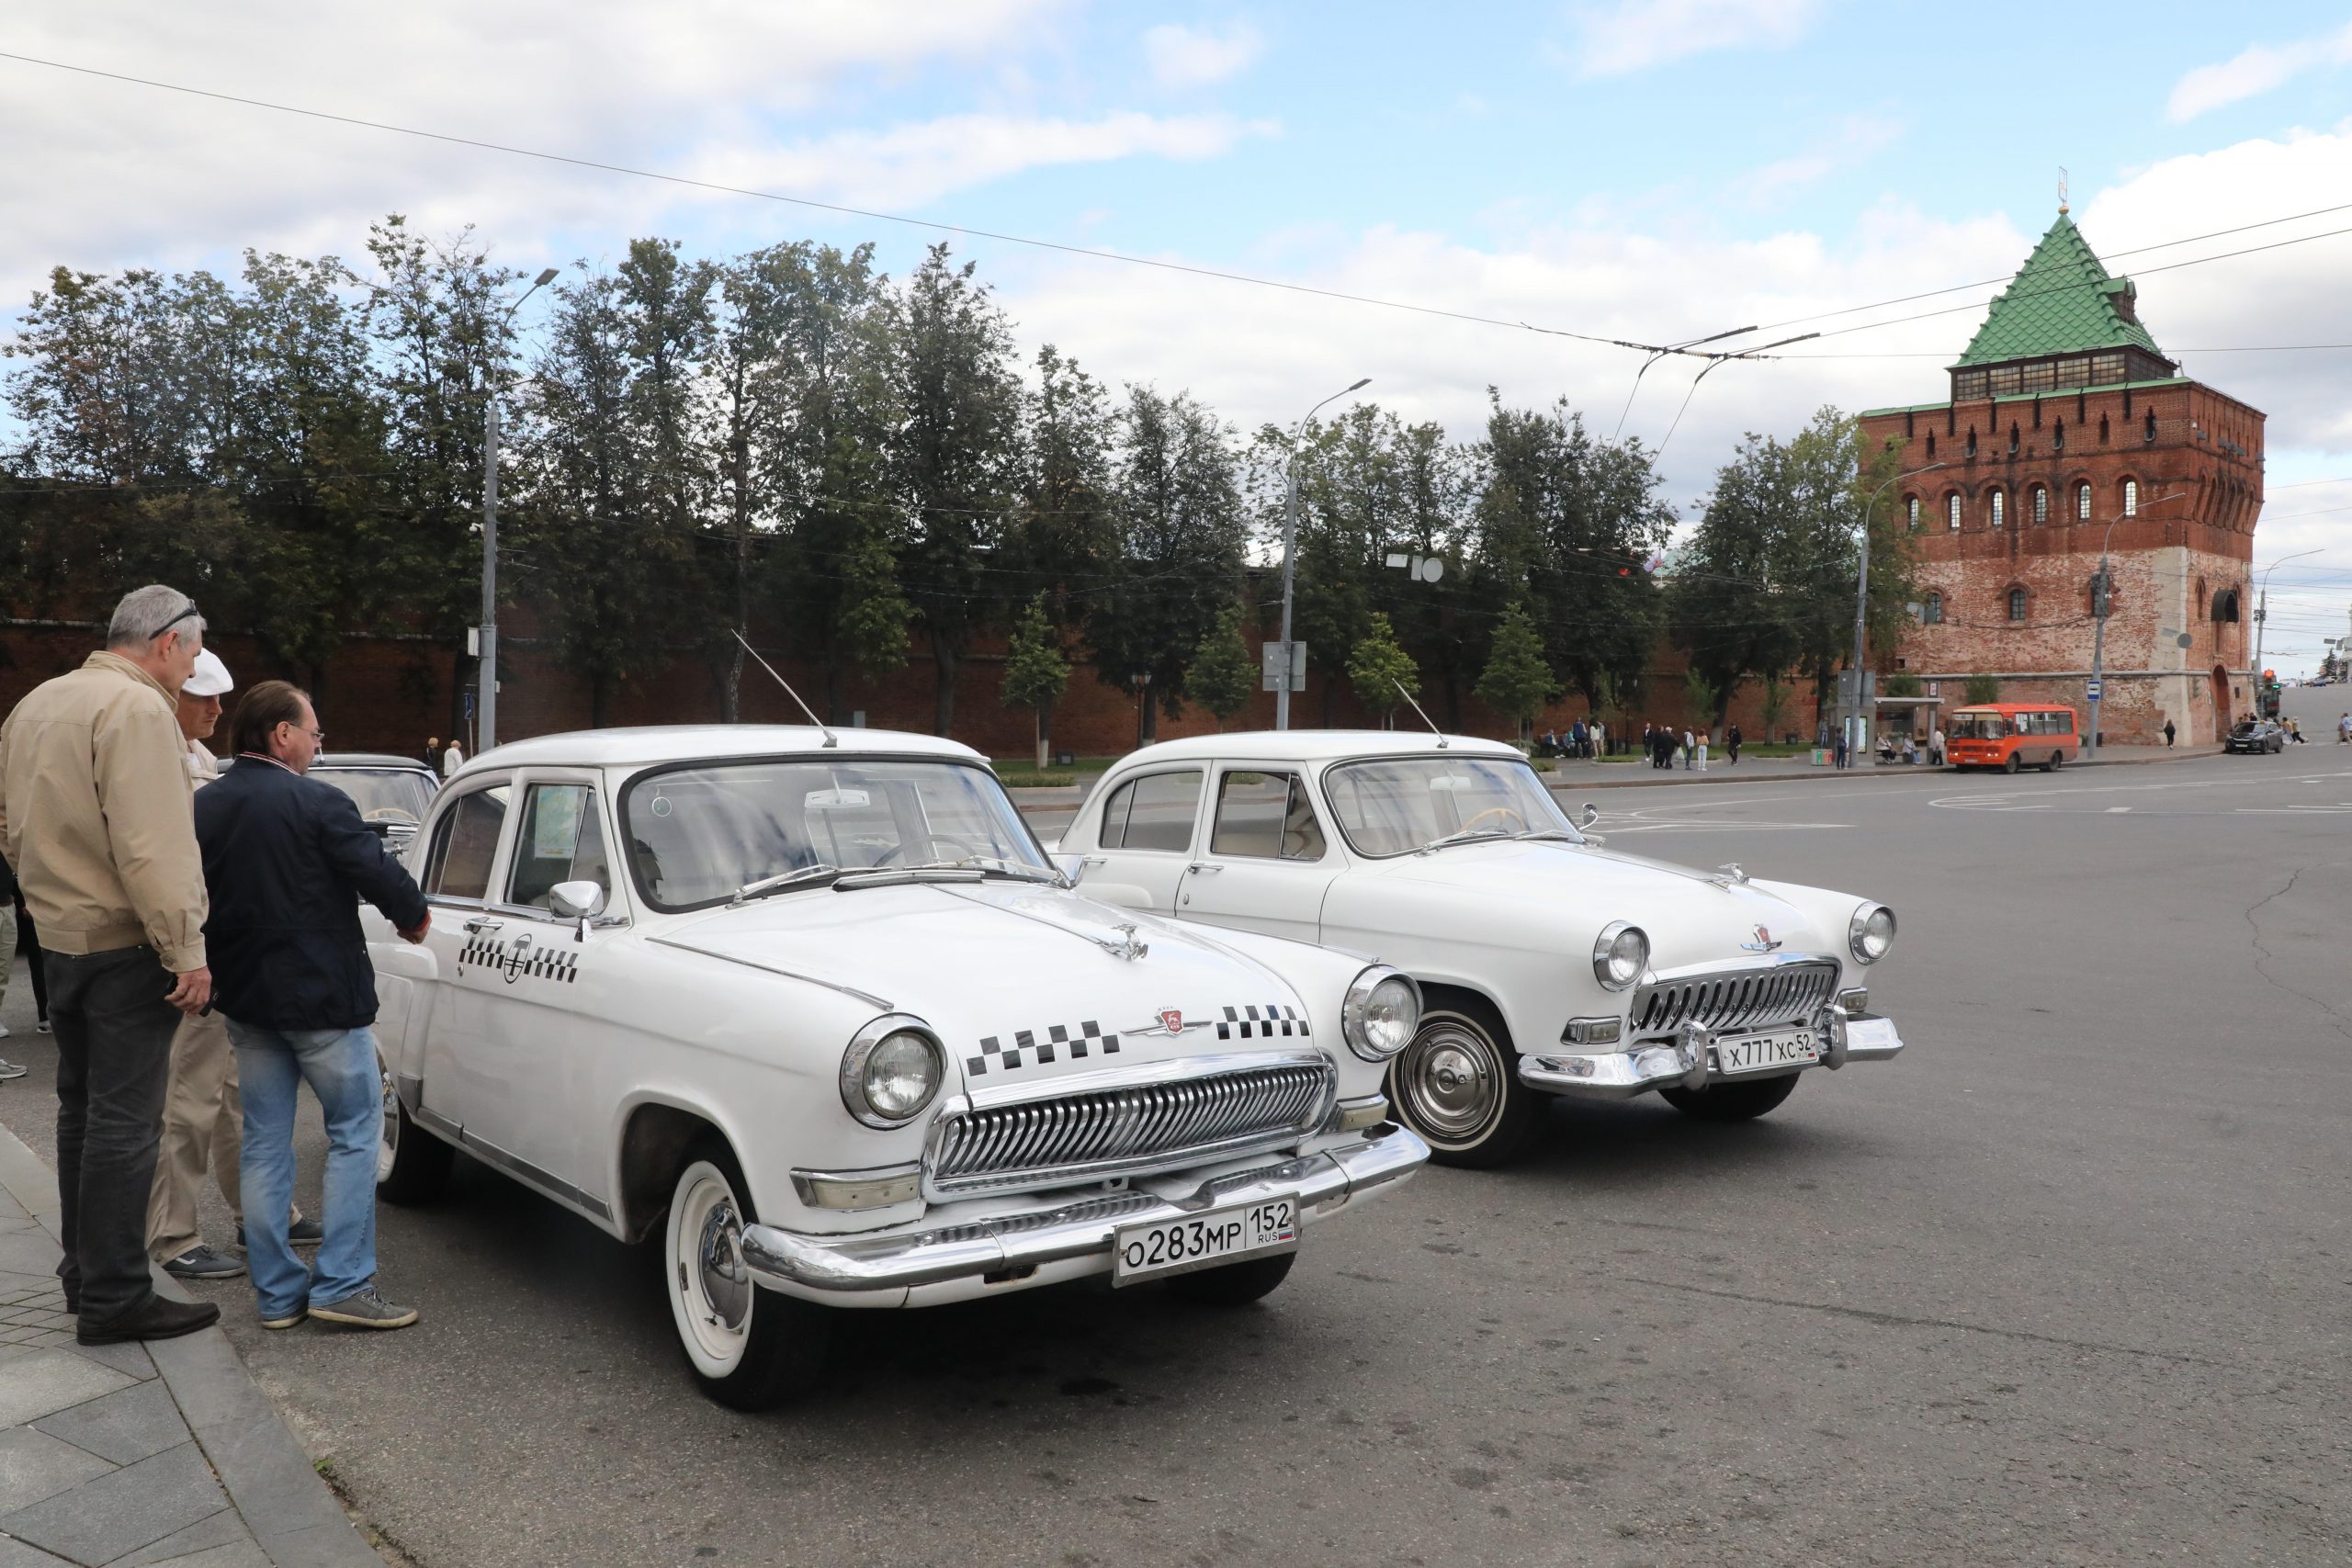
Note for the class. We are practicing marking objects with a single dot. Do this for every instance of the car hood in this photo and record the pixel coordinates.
(1019, 981)
(1690, 917)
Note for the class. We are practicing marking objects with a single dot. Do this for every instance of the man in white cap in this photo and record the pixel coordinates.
(203, 1116)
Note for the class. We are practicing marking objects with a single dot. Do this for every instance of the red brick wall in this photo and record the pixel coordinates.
(2193, 538)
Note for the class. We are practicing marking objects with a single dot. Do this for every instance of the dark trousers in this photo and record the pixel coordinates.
(29, 943)
(114, 1056)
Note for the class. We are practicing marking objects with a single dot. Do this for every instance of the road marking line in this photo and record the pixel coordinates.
(2118, 810)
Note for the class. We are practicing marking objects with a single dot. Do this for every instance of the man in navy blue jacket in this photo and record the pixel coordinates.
(286, 862)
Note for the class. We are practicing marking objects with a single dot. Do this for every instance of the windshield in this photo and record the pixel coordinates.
(1395, 804)
(382, 795)
(1966, 725)
(698, 834)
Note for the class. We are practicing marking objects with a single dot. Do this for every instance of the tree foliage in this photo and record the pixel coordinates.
(1517, 681)
(1379, 666)
(1223, 673)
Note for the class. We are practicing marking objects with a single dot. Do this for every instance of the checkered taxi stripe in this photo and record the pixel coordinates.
(532, 962)
(1028, 1051)
(1261, 1023)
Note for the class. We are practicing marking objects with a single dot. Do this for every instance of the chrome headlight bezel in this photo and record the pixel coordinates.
(857, 1060)
(1604, 949)
(1358, 1022)
(1864, 928)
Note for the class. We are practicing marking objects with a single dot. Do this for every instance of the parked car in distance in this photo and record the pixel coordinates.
(2252, 735)
(1548, 965)
(391, 791)
(817, 1015)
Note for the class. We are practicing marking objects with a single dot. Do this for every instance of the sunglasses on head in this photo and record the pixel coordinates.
(186, 615)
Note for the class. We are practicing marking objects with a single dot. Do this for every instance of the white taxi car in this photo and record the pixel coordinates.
(820, 1013)
(1547, 965)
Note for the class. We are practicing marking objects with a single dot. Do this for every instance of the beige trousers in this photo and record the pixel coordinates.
(203, 1129)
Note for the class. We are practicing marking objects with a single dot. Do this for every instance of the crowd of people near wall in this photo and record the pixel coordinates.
(194, 941)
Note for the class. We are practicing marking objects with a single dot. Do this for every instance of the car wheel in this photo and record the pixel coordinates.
(1236, 1284)
(411, 1165)
(2056, 760)
(1732, 1102)
(750, 1347)
(1456, 1085)
(2009, 764)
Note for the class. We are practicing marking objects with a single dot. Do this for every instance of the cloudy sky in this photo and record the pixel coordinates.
(1650, 169)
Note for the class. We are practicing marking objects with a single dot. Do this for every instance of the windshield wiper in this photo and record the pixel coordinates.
(1464, 838)
(985, 863)
(1562, 834)
(782, 880)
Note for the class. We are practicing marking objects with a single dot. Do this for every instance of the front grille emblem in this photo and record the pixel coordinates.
(1171, 1020)
(1763, 943)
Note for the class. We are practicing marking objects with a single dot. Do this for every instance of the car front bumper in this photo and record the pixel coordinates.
(930, 1263)
(1688, 1061)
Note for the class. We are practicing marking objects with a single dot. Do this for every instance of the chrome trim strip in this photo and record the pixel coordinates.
(523, 1170)
(1730, 997)
(1685, 1061)
(1141, 1075)
(849, 1190)
(1321, 1182)
(773, 969)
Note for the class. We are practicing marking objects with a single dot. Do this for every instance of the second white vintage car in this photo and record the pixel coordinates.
(1548, 965)
(818, 1013)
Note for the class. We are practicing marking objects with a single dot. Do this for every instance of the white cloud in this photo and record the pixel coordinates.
(1856, 138)
(1193, 57)
(1637, 34)
(2256, 70)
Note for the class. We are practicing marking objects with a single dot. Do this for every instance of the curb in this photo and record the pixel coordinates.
(269, 1479)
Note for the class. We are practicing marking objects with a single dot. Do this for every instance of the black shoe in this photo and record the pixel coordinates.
(201, 1262)
(304, 1231)
(154, 1319)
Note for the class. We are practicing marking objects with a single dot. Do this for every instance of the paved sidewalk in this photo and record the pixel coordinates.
(132, 1454)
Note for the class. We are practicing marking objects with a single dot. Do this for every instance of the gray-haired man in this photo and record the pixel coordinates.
(95, 818)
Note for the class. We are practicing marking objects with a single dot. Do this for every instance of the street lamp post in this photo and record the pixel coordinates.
(2262, 612)
(1290, 539)
(487, 679)
(1862, 582)
(2100, 596)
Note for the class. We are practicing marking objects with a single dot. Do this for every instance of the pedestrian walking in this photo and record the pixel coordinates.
(1600, 740)
(1731, 744)
(432, 753)
(1703, 751)
(9, 1069)
(1936, 746)
(93, 760)
(453, 757)
(2344, 730)
(2169, 734)
(287, 860)
(203, 1118)
(1840, 753)
(1687, 747)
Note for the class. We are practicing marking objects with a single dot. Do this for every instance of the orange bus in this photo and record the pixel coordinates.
(2009, 735)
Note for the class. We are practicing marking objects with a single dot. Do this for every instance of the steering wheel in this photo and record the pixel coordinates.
(389, 814)
(1495, 811)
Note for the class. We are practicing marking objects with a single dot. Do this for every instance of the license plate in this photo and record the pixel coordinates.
(1204, 1241)
(1756, 1052)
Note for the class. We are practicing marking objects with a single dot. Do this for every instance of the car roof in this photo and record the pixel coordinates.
(640, 745)
(368, 759)
(1316, 745)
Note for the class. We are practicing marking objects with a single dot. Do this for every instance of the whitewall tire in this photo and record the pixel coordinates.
(749, 1348)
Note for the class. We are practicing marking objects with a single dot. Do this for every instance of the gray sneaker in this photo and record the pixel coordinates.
(10, 1070)
(201, 1262)
(365, 1309)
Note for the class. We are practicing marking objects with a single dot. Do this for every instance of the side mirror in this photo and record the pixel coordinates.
(1587, 815)
(1071, 867)
(576, 900)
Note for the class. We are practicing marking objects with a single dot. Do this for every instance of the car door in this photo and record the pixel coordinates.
(1143, 838)
(1265, 861)
(464, 1076)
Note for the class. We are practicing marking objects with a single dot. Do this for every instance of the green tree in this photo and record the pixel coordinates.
(1902, 686)
(1379, 666)
(1701, 698)
(1035, 670)
(1773, 707)
(1982, 688)
(1224, 673)
(1517, 681)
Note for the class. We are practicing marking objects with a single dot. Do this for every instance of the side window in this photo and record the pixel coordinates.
(562, 839)
(1267, 816)
(1154, 812)
(2066, 722)
(464, 843)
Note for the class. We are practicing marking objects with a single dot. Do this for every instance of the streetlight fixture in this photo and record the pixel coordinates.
(1863, 584)
(487, 679)
(2262, 612)
(2100, 595)
(1290, 540)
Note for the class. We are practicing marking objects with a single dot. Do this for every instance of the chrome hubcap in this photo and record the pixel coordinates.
(1448, 1083)
(389, 1148)
(718, 1256)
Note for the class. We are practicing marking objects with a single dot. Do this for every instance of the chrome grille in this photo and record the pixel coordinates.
(1729, 999)
(1156, 1123)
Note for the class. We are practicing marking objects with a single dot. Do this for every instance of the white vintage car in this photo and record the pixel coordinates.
(1547, 965)
(821, 1012)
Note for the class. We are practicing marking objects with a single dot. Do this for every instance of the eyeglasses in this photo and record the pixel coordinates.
(318, 735)
(187, 615)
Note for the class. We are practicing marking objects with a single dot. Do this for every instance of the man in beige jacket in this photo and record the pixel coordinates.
(94, 816)
(203, 1117)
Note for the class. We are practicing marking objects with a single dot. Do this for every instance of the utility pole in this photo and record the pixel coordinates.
(487, 679)
(2262, 617)
(1862, 591)
(2102, 596)
(1290, 541)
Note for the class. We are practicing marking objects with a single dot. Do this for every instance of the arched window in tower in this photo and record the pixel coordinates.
(2131, 498)
(2013, 438)
(2148, 429)
(2083, 501)
(2016, 604)
(2225, 606)
(1998, 511)
(1931, 444)
(1931, 609)
(2102, 430)
(1951, 511)
(2040, 505)
(1911, 511)
(1972, 441)
(2202, 598)
(2058, 437)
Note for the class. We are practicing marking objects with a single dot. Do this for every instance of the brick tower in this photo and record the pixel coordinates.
(2068, 425)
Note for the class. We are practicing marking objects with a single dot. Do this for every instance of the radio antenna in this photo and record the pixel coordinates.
(1442, 741)
(830, 739)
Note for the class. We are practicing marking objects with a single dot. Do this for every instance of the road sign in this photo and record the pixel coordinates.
(2092, 690)
(1422, 568)
(1271, 663)
(470, 708)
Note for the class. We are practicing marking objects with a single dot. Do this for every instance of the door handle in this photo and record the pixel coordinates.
(1203, 867)
(484, 923)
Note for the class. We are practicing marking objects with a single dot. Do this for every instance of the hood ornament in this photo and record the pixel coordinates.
(1126, 944)
(1763, 943)
(1728, 875)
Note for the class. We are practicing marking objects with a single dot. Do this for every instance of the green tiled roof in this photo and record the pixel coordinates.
(2061, 301)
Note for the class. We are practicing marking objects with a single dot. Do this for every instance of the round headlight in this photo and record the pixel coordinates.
(1380, 1014)
(1871, 933)
(1619, 954)
(891, 1071)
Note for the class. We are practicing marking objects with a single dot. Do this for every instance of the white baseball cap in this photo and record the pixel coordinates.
(211, 677)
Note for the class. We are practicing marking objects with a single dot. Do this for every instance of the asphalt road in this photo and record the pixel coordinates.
(2065, 1284)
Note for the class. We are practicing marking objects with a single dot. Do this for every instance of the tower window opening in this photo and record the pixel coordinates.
(2016, 604)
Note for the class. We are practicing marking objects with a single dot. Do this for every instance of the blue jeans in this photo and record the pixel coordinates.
(340, 1067)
